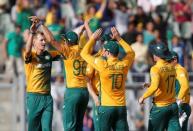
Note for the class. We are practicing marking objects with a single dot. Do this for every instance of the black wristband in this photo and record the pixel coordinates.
(39, 24)
(33, 33)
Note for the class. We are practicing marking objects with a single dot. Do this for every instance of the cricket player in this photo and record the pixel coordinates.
(38, 65)
(182, 90)
(92, 75)
(93, 83)
(112, 110)
(76, 96)
(164, 113)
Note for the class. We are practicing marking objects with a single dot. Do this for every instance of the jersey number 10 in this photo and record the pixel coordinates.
(117, 80)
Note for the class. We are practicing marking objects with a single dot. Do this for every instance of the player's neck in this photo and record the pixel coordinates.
(39, 52)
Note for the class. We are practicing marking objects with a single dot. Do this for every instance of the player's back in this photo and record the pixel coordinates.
(75, 68)
(165, 93)
(113, 82)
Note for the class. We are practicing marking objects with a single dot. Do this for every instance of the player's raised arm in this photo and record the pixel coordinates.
(48, 35)
(50, 38)
(101, 10)
(130, 54)
(86, 53)
(30, 40)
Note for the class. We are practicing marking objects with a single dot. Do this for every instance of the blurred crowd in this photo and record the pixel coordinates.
(140, 23)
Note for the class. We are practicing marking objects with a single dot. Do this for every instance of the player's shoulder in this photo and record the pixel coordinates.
(100, 60)
(155, 67)
(154, 71)
(181, 68)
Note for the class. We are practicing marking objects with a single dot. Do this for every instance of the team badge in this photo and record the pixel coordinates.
(47, 57)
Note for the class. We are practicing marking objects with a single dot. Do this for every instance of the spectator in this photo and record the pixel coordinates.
(140, 63)
(92, 11)
(52, 14)
(145, 5)
(40, 10)
(139, 28)
(158, 38)
(178, 46)
(148, 34)
(55, 28)
(5, 27)
(13, 45)
(130, 35)
(141, 17)
(23, 12)
(182, 16)
(78, 19)
(160, 24)
(121, 16)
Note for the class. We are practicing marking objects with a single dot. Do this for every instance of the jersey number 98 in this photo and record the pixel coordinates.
(79, 67)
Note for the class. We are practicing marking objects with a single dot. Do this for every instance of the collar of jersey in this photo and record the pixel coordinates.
(161, 62)
(112, 59)
(178, 66)
(74, 47)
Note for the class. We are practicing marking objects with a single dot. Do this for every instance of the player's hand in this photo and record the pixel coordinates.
(87, 78)
(86, 23)
(115, 34)
(96, 35)
(179, 102)
(141, 100)
(96, 101)
(33, 28)
(34, 19)
(146, 85)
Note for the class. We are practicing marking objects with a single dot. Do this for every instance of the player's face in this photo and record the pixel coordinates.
(40, 43)
(174, 62)
(155, 58)
(91, 11)
(105, 53)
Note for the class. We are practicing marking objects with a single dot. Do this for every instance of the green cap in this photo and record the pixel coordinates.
(71, 37)
(161, 50)
(174, 54)
(94, 24)
(112, 47)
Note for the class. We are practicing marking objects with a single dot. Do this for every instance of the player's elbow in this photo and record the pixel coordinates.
(133, 55)
(83, 54)
(153, 88)
(51, 40)
(186, 89)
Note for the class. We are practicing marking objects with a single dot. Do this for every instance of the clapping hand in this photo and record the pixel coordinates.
(96, 35)
(146, 85)
(33, 28)
(34, 19)
(115, 34)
